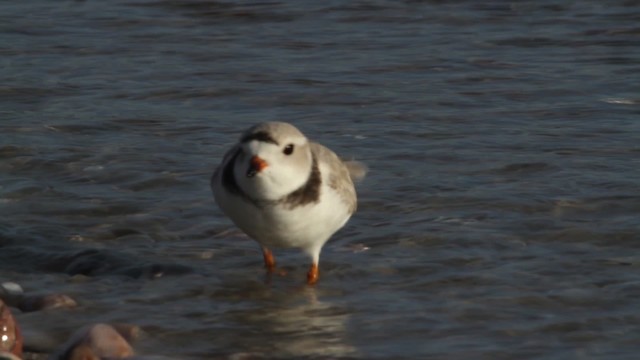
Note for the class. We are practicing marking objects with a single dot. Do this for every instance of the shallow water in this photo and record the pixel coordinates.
(499, 218)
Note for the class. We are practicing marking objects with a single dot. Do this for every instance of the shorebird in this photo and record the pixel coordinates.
(285, 191)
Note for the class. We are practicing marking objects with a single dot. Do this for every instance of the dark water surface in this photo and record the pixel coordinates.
(499, 219)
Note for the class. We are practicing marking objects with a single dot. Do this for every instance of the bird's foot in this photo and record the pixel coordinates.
(277, 271)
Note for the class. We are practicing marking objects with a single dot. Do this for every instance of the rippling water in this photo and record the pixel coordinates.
(499, 218)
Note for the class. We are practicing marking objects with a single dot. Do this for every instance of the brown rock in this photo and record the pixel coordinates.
(10, 337)
(128, 331)
(99, 341)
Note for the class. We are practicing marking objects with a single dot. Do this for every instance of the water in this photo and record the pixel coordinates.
(499, 218)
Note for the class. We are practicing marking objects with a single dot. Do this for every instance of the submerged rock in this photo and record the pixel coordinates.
(47, 301)
(96, 342)
(10, 337)
(13, 295)
(94, 262)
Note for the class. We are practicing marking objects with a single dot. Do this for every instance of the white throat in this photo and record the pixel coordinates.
(281, 177)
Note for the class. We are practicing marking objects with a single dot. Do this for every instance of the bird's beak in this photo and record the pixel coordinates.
(256, 164)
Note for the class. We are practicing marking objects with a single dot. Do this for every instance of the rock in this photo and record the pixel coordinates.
(11, 288)
(10, 337)
(128, 331)
(8, 356)
(11, 293)
(99, 341)
(43, 302)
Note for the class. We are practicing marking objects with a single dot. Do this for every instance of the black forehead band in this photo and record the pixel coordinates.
(260, 136)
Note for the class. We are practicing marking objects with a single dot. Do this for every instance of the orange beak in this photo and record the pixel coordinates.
(256, 165)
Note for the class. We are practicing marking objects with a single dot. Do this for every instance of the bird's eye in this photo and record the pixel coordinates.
(288, 150)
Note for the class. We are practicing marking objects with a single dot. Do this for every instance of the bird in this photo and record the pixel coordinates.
(285, 191)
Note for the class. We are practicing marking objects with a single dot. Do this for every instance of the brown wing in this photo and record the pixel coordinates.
(339, 177)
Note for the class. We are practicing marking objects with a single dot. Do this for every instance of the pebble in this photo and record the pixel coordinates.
(128, 331)
(10, 337)
(11, 293)
(99, 341)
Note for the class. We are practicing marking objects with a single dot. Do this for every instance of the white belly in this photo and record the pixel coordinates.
(307, 227)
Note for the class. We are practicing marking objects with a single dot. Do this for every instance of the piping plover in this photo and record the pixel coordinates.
(286, 191)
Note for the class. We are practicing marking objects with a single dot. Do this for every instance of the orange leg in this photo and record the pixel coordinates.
(269, 260)
(313, 274)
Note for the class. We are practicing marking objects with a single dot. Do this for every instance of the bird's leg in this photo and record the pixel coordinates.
(313, 274)
(270, 263)
(269, 260)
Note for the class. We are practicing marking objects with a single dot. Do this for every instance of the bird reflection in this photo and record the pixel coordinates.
(298, 324)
